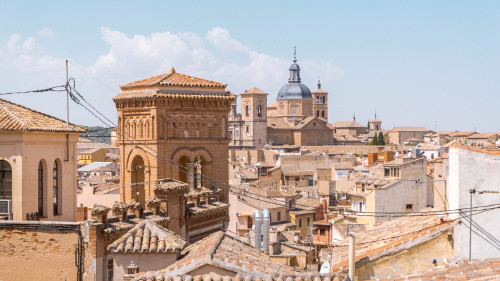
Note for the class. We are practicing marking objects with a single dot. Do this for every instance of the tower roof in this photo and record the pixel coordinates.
(254, 90)
(173, 79)
(294, 89)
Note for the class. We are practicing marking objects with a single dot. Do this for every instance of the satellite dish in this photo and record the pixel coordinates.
(325, 268)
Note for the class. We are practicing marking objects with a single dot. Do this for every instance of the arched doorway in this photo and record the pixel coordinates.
(137, 180)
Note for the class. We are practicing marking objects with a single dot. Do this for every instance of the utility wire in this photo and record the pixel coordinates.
(93, 77)
(61, 88)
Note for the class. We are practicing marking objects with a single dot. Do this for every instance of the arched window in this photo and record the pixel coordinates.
(5, 180)
(55, 188)
(247, 110)
(259, 110)
(323, 99)
(322, 114)
(40, 189)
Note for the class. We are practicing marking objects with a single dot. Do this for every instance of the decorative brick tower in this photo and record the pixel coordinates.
(172, 118)
(320, 103)
(254, 115)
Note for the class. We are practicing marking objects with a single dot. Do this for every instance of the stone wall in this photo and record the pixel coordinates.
(38, 251)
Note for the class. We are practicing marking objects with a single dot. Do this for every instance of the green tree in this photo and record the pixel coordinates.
(380, 140)
(374, 141)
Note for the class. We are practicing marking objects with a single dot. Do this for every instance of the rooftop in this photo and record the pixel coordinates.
(224, 251)
(148, 237)
(410, 129)
(18, 118)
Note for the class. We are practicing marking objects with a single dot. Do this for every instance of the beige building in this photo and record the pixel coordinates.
(320, 103)
(400, 135)
(482, 139)
(348, 128)
(38, 156)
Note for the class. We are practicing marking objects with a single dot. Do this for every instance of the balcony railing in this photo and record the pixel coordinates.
(6, 209)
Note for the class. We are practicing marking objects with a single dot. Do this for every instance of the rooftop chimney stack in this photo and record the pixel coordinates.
(258, 227)
(266, 225)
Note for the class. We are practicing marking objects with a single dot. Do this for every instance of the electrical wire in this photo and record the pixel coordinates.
(61, 88)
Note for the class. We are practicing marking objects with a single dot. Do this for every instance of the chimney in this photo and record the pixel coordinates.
(120, 210)
(132, 269)
(258, 225)
(265, 227)
(135, 207)
(100, 213)
(153, 204)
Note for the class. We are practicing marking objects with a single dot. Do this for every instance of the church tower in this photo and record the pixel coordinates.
(254, 116)
(320, 103)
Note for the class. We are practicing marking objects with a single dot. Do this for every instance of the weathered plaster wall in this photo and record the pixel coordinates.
(145, 262)
(37, 254)
(410, 260)
(475, 170)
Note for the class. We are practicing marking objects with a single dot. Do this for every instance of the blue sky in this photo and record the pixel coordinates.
(417, 63)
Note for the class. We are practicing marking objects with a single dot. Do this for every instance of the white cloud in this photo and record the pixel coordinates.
(215, 55)
(46, 32)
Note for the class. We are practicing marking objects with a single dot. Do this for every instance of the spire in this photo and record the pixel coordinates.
(294, 69)
(319, 83)
(354, 116)
(375, 114)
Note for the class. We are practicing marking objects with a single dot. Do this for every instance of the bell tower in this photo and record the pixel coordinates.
(320, 103)
(254, 116)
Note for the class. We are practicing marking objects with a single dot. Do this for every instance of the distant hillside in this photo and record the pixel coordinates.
(97, 134)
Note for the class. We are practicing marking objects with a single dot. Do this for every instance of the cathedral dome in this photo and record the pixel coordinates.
(294, 89)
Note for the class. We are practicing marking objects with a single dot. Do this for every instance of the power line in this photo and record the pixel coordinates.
(93, 77)
(61, 88)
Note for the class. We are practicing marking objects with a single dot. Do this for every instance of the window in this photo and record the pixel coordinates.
(5, 180)
(322, 113)
(300, 222)
(278, 216)
(317, 113)
(247, 110)
(263, 172)
(387, 172)
(40, 189)
(294, 110)
(322, 232)
(259, 110)
(247, 129)
(409, 207)
(110, 269)
(308, 221)
(55, 188)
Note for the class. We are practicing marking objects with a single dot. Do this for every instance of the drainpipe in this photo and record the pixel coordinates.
(352, 264)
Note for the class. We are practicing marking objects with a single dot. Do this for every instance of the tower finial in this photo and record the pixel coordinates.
(375, 114)
(354, 116)
(294, 54)
(319, 83)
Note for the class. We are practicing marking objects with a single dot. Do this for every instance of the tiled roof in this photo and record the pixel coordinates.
(148, 237)
(215, 277)
(308, 203)
(488, 269)
(94, 145)
(387, 237)
(224, 251)
(347, 124)
(319, 91)
(344, 229)
(278, 123)
(173, 79)
(273, 105)
(462, 134)
(18, 118)
(410, 129)
(207, 207)
(95, 165)
(249, 174)
(254, 90)
(482, 135)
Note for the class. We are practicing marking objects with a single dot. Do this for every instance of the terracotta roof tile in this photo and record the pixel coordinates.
(173, 79)
(148, 237)
(226, 252)
(387, 235)
(18, 118)
(254, 90)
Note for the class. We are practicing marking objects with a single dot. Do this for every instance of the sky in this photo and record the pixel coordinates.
(415, 63)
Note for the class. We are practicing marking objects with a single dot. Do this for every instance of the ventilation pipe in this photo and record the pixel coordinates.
(266, 224)
(258, 227)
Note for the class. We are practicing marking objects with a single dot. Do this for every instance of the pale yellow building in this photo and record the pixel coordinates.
(38, 156)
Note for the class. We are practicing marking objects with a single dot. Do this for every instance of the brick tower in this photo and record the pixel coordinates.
(320, 103)
(184, 119)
